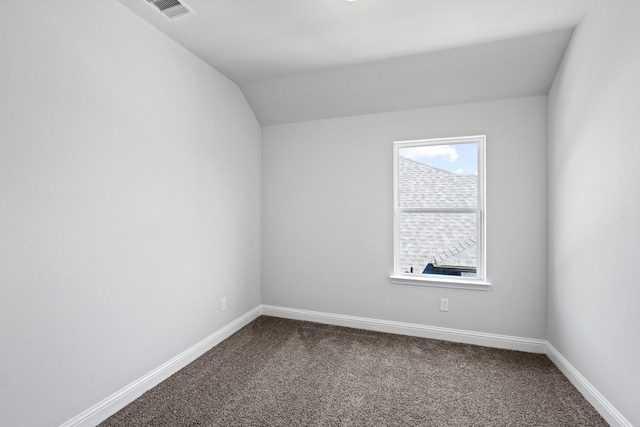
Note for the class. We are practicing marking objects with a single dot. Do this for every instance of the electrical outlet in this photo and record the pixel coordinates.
(223, 304)
(444, 304)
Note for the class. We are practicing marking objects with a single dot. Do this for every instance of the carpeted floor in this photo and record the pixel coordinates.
(277, 372)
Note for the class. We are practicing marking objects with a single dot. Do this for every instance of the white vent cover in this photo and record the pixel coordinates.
(171, 8)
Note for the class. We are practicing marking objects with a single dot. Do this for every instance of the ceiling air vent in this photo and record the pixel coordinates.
(171, 8)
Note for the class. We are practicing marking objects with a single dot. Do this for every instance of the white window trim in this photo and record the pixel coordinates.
(434, 280)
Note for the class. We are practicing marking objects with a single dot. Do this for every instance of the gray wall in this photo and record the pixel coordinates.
(594, 203)
(129, 205)
(328, 217)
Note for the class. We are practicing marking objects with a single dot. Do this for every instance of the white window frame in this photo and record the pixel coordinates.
(434, 280)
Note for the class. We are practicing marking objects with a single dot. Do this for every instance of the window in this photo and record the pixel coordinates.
(439, 212)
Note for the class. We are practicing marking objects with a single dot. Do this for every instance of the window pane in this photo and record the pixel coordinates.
(438, 176)
(445, 242)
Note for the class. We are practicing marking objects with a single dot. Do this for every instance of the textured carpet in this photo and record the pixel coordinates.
(277, 372)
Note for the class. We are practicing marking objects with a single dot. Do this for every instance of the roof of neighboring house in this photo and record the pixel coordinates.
(446, 238)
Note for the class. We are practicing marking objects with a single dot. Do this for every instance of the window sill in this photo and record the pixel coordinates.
(437, 282)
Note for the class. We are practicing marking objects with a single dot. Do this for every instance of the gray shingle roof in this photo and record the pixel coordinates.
(425, 186)
(446, 238)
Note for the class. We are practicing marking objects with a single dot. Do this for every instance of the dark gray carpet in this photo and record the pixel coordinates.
(277, 372)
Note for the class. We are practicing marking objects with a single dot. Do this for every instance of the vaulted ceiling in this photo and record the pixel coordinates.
(301, 60)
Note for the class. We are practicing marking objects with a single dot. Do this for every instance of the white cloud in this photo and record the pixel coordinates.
(459, 171)
(433, 151)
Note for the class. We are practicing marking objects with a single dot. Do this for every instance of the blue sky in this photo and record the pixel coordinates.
(456, 158)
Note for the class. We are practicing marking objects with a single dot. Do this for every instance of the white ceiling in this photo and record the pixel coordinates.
(312, 59)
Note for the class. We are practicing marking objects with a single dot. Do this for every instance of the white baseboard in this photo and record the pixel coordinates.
(602, 405)
(446, 334)
(128, 394)
(112, 404)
